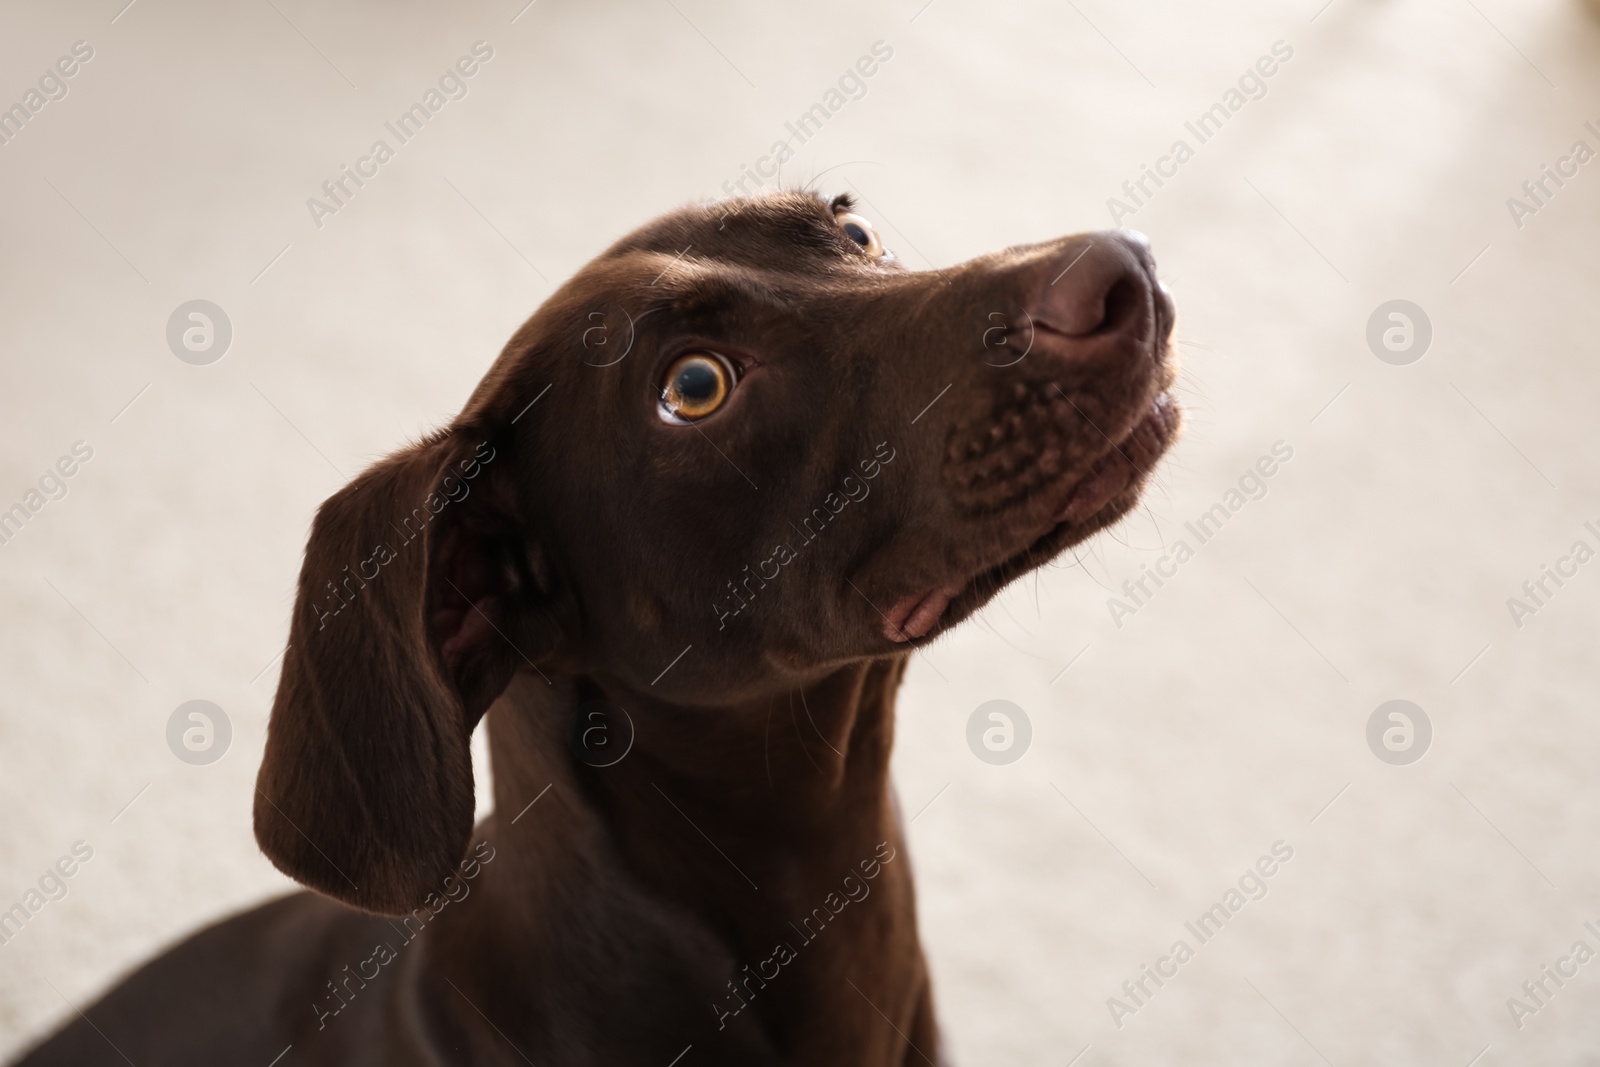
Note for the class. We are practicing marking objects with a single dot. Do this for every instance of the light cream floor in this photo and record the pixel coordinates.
(1227, 714)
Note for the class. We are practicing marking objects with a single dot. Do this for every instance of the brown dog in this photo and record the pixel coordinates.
(679, 543)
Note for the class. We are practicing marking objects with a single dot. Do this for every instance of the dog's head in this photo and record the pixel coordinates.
(742, 447)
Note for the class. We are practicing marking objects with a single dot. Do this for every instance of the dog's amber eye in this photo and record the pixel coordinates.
(861, 232)
(695, 385)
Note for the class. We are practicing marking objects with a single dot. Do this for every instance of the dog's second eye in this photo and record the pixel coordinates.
(695, 385)
(861, 232)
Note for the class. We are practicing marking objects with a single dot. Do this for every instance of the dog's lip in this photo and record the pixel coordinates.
(917, 614)
(914, 614)
(1128, 458)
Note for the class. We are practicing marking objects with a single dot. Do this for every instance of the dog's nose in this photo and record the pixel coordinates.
(1100, 283)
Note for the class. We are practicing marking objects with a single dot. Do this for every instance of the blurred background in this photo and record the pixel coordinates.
(1441, 455)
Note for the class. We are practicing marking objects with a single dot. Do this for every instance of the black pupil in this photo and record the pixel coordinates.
(697, 382)
(858, 234)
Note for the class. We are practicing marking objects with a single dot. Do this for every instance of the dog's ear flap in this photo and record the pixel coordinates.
(408, 621)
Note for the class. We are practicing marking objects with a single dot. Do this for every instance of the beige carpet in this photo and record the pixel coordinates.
(1218, 714)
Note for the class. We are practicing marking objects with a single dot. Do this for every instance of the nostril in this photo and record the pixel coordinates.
(1098, 288)
(1124, 302)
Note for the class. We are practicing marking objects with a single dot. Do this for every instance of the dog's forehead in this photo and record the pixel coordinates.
(752, 230)
(773, 249)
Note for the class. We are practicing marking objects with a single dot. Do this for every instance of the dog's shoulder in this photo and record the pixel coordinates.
(234, 992)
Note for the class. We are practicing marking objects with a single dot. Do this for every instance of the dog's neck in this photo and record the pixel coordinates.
(765, 779)
(746, 821)
(817, 741)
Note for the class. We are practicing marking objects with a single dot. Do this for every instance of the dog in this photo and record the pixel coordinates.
(680, 546)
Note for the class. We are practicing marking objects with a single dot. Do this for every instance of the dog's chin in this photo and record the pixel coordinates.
(1091, 502)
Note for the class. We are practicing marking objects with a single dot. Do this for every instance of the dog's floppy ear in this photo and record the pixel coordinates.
(411, 617)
